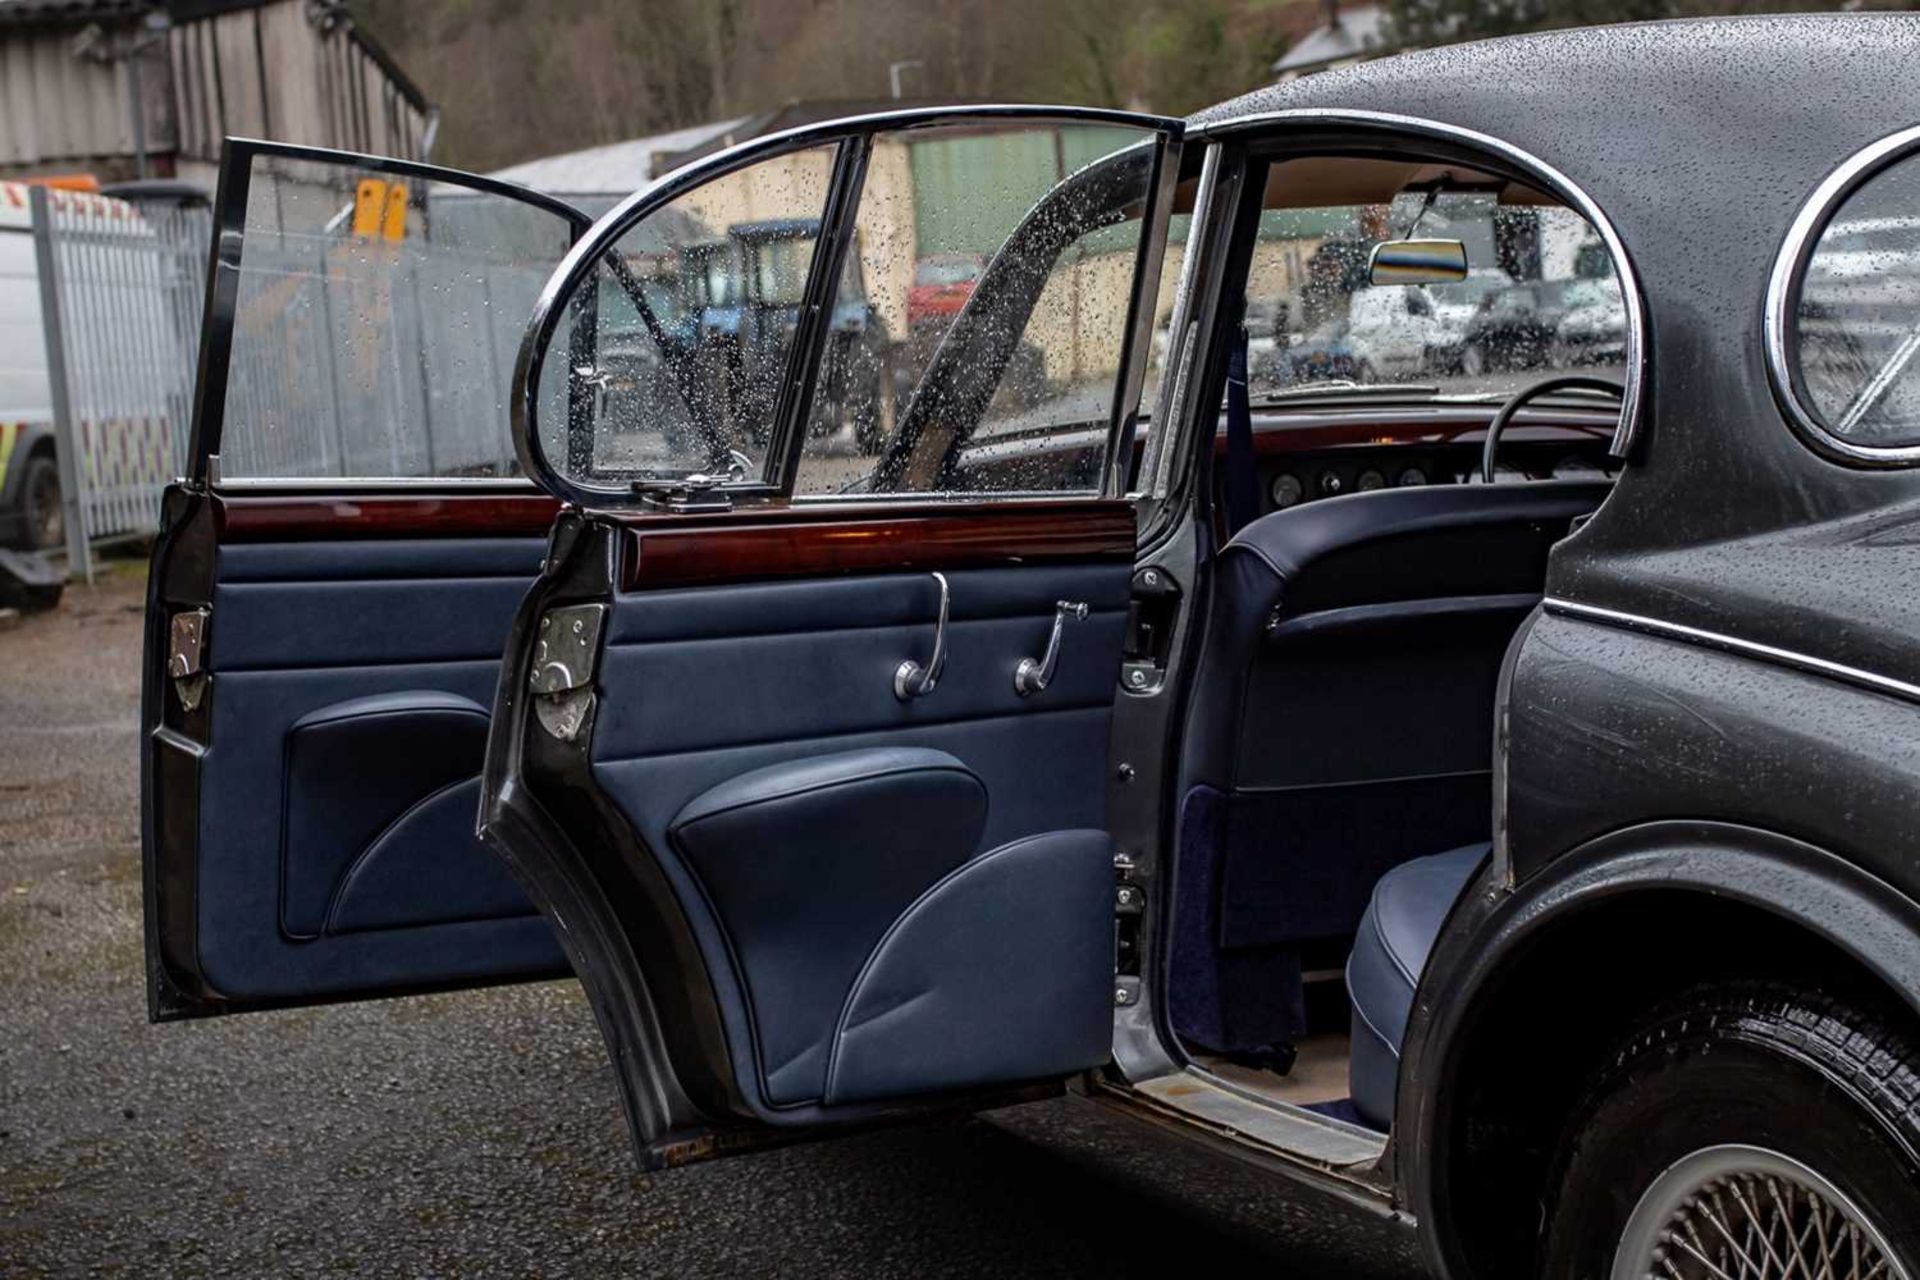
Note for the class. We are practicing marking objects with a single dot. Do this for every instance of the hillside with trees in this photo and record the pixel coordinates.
(522, 78)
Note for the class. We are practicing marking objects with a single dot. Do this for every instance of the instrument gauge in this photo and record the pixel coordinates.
(1369, 480)
(1412, 477)
(1286, 490)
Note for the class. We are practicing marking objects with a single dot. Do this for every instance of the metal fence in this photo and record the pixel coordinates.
(120, 297)
(371, 359)
(350, 358)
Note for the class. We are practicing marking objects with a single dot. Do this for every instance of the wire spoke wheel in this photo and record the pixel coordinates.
(1745, 1213)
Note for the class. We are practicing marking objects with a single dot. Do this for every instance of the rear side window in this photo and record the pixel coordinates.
(1847, 320)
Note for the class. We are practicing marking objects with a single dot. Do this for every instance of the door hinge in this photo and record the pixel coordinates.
(566, 654)
(694, 494)
(186, 648)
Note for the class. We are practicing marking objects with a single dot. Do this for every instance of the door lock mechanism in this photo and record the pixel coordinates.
(186, 647)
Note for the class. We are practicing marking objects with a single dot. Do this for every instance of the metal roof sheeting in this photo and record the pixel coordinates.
(616, 168)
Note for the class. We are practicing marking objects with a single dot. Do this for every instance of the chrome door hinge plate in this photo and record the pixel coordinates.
(566, 655)
(186, 648)
(568, 646)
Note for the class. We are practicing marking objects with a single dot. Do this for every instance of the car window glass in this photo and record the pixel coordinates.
(1179, 228)
(937, 207)
(1856, 327)
(1540, 297)
(375, 324)
(669, 358)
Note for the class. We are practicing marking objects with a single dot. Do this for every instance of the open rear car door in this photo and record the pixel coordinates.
(332, 585)
(802, 734)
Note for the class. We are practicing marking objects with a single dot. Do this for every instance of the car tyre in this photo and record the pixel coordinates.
(43, 519)
(1808, 1104)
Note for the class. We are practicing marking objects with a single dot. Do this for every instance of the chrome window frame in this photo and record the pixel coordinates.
(1359, 123)
(852, 136)
(1783, 299)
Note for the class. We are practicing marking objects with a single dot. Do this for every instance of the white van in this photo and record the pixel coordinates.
(29, 479)
(1392, 329)
(127, 360)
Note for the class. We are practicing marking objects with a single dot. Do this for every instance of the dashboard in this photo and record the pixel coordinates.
(1304, 458)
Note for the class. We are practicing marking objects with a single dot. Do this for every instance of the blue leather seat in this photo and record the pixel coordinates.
(1409, 905)
(1342, 723)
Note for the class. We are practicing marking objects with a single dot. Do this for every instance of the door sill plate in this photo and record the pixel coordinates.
(1318, 1140)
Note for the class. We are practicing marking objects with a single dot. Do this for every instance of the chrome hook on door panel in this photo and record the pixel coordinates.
(910, 679)
(1032, 675)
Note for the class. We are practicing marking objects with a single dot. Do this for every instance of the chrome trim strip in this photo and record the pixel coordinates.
(1170, 393)
(1783, 293)
(1558, 183)
(1803, 662)
(1137, 350)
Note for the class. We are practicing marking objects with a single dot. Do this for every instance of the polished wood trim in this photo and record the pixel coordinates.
(324, 517)
(662, 551)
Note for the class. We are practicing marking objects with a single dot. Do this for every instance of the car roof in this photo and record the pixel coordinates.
(1700, 140)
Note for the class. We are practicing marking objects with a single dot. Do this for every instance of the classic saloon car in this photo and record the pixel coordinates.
(1493, 800)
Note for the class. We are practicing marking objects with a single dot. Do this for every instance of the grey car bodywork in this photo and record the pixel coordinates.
(1726, 659)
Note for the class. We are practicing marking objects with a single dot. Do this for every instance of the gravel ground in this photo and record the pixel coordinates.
(478, 1133)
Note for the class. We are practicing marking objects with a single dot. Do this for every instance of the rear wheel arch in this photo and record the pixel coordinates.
(1530, 989)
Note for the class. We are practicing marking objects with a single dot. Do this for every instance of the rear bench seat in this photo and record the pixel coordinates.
(1397, 933)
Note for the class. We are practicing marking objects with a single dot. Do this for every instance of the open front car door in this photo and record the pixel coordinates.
(801, 736)
(332, 585)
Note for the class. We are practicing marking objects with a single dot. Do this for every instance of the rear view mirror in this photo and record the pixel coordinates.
(1417, 262)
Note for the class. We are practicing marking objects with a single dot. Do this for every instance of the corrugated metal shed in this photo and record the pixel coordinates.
(23, 11)
(60, 109)
(295, 70)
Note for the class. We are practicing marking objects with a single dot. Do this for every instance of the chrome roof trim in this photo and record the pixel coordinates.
(1783, 293)
(1550, 178)
(1803, 662)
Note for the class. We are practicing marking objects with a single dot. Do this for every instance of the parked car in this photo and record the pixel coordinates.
(1326, 353)
(1045, 760)
(1510, 330)
(942, 283)
(1455, 304)
(1592, 327)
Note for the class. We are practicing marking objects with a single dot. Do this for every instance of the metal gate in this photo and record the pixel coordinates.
(121, 288)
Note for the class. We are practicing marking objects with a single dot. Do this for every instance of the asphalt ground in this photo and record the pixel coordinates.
(477, 1134)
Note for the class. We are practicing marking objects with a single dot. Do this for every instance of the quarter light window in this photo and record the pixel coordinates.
(1854, 327)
